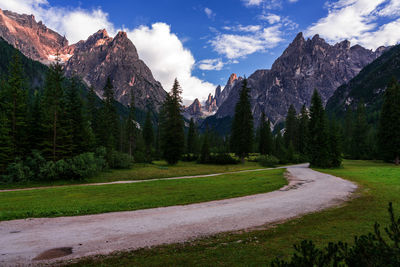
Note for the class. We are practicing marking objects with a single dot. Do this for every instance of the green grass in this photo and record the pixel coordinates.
(141, 171)
(379, 184)
(80, 200)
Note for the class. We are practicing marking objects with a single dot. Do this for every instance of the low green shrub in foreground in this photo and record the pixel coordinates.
(368, 250)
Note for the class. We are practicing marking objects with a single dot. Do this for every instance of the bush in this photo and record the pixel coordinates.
(120, 160)
(268, 161)
(368, 250)
(139, 157)
(36, 168)
(190, 157)
(220, 159)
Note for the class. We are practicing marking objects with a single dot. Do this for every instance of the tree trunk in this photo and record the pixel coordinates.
(242, 159)
(397, 160)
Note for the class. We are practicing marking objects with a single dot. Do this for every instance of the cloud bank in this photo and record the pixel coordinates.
(357, 21)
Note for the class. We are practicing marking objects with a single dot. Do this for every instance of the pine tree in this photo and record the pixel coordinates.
(92, 112)
(348, 132)
(191, 139)
(205, 148)
(5, 143)
(76, 121)
(389, 124)
(359, 147)
(53, 107)
(36, 121)
(173, 137)
(242, 127)
(335, 150)
(303, 131)
(131, 126)
(290, 134)
(319, 136)
(279, 148)
(148, 136)
(110, 123)
(16, 110)
(265, 136)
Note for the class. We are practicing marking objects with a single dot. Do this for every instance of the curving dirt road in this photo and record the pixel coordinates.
(21, 241)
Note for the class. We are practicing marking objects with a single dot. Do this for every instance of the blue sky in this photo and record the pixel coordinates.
(203, 42)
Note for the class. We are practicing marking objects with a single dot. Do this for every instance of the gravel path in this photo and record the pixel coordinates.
(21, 241)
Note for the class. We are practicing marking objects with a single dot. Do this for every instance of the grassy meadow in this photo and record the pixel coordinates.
(143, 171)
(81, 200)
(379, 183)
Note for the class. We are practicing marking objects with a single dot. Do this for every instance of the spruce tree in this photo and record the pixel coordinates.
(319, 136)
(54, 123)
(131, 126)
(110, 123)
(92, 112)
(242, 127)
(76, 121)
(191, 139)
(303, 131)
(36, 122)
(359, 147)
(205, 148)
(348, 131)
(148, 136)
(5, 143)
(16, 108)
(291, 134)
(335, 149)
(389, 124)
(265, 136)
(279, 148)
(173, 137)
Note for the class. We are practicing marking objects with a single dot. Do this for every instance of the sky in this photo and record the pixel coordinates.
(201, 42)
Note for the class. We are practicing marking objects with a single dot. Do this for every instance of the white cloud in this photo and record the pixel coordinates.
(236, 46)
(357, 21)
(252, 2)
(210, 14)
(169, 60)
(271, 18)
(75, 23)
(211, 64)
(241, 28)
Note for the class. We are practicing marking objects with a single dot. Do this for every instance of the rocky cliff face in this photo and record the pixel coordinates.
(102, 56)
(194, 110)
(212, 103)
(304, 66)
(32, 38)
(95, 59)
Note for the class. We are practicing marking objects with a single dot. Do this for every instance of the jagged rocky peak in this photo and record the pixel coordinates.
(195, 108)
(305, 65)
(102, 56)
(211, 104)
(32, 38)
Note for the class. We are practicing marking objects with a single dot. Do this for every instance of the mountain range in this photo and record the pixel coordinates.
(305, 65)
(93, 60)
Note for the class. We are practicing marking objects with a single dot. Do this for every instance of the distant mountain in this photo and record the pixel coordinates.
(368, 86)
(95, 59)
(32, 38)
(35, 74)
(213, 102)
(101, 56)
(304, 66)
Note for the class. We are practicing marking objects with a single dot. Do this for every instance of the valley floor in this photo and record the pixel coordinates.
(308, 191)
